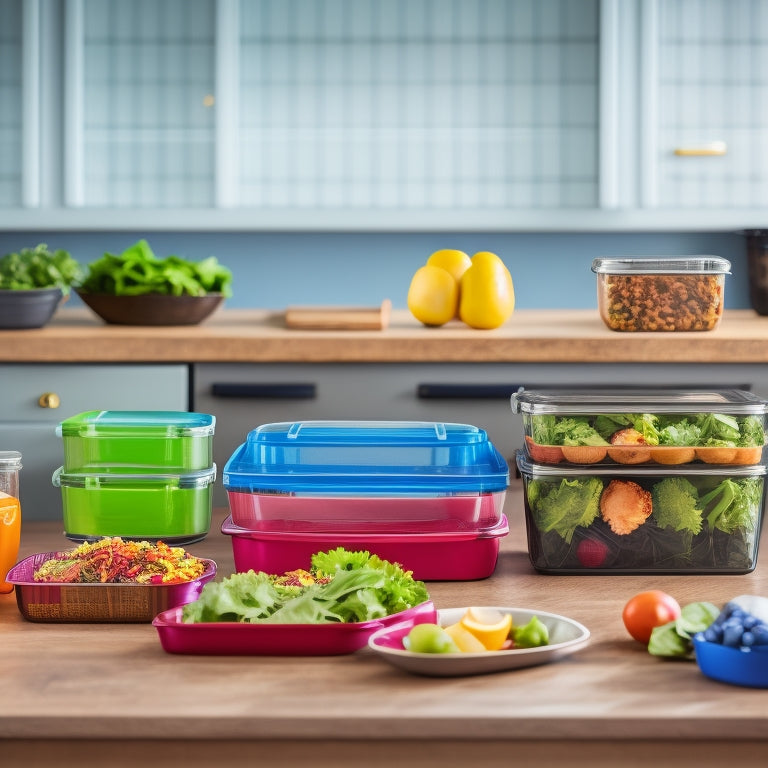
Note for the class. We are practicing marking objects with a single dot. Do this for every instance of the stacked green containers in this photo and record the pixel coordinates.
(145, 475)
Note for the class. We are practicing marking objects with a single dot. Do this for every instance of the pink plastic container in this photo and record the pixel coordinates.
(432, 556)
(236, 639)
(376, 514)
(96, 602)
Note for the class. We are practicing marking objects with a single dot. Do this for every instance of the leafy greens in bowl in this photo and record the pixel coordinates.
(138, 271)
(38, 267)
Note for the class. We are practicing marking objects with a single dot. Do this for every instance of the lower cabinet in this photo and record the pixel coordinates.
(244, 396)
(35, 398)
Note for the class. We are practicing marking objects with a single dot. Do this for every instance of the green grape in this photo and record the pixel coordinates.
(429, 638)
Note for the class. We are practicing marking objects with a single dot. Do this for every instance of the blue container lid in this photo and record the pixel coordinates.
(141, 424)
(392, 458)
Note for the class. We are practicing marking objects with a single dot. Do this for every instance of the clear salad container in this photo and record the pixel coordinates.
(661, 294)
(691, 519)
(643, 426)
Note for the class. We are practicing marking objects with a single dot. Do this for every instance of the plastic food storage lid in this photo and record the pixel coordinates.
(9, 461)
(145, 424)
(575, 401)
(393, 458)
(92, 481)
(630, 265)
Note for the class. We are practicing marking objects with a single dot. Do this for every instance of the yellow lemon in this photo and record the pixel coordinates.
(455, 262)
(433, 295)
(465, 641)
(487, 293)
(490, 627)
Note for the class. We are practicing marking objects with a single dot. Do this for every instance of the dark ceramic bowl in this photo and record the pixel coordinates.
(152, 308)
(31, 308)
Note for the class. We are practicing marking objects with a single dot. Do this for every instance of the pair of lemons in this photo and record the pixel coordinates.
(476, 290)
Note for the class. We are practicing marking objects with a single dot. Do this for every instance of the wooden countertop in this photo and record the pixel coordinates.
(76, 335)
(88, 694)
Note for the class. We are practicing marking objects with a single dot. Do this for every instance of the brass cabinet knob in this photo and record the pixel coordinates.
(49, 400)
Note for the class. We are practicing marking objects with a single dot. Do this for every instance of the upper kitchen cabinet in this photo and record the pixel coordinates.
(704, 97)
(504, 115)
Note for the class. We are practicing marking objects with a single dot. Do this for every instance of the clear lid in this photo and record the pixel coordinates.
(633, 265)
(366, 457)
(10, 461)
(581, 401)
(150, 424)
(529, 468)
(200, 479)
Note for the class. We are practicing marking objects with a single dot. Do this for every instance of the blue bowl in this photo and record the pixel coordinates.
(732, 665)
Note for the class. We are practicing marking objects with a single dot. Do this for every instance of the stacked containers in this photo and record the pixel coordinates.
(426, 495)
(644, 481)
(144, 475)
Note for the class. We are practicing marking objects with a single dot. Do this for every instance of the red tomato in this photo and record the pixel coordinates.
(647, 610)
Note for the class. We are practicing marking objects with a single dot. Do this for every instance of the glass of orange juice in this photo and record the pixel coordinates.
(10, 514)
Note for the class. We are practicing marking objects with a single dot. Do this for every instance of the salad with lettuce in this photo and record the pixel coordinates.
(340, 586)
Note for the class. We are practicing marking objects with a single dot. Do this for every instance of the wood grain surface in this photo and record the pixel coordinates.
(81, 692)
(76, 335)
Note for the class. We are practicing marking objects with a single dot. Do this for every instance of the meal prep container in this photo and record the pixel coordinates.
(552, 418)
(661, 294)
(432, 556)
(691, 519)
(242, 639)
(96, 602)
(384, 477)
(129, 441)
(174, 508)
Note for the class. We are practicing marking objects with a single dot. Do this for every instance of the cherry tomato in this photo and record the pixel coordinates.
(647, 610)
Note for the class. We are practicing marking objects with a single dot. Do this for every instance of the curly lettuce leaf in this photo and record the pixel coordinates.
(676, 505)
(565, 505)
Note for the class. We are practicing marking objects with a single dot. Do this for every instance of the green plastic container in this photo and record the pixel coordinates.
(172, 508)
(127, 442)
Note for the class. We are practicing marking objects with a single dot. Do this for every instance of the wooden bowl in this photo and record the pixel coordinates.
(152, 308)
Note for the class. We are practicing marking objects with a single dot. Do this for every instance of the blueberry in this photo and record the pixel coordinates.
(750, 621)
(760, 633)
(732, 636)
(713, 634)
(747, 639)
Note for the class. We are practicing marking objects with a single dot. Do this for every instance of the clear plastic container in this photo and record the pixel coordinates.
(377, 476)
(691, 519)
(661, 294)
(129, 441)
(432, 556)
(168, 507)
(10, 514)
(643, 426)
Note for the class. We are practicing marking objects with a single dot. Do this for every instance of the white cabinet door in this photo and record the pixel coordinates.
(35, 398)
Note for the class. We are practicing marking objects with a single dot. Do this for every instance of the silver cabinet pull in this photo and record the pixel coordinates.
(711, 149)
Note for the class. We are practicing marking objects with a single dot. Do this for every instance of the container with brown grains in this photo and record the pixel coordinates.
(661, 293)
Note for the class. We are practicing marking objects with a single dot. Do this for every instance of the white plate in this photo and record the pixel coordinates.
(565, 637)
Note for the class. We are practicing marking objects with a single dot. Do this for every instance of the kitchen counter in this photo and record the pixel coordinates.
(89, 694)
(77, 335)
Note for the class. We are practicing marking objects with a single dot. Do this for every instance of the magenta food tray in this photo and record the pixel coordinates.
(125, 602)
(240, 639)
(434, 556)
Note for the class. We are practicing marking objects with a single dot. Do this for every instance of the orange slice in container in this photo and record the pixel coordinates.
(670, 454)
(490, 627)
(584, 454)
(716, 455)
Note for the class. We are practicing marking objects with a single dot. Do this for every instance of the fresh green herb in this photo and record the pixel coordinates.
(565, 505)
(37, 267)
(340, 586)
(676, 505)
(138, 271)
(733, 504)
(674, 639)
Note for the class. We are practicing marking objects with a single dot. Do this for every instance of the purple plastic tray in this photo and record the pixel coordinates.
(433, 556)
(125, 602)
(236, 639)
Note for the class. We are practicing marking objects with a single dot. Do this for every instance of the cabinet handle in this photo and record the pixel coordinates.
(49, 400)
(466, 391)
(712, 149)
(297, 391)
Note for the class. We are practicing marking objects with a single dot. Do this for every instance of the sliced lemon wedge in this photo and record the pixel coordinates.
(464, 639)
(489, 626)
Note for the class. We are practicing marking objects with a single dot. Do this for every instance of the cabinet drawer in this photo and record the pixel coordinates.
(29, 427)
